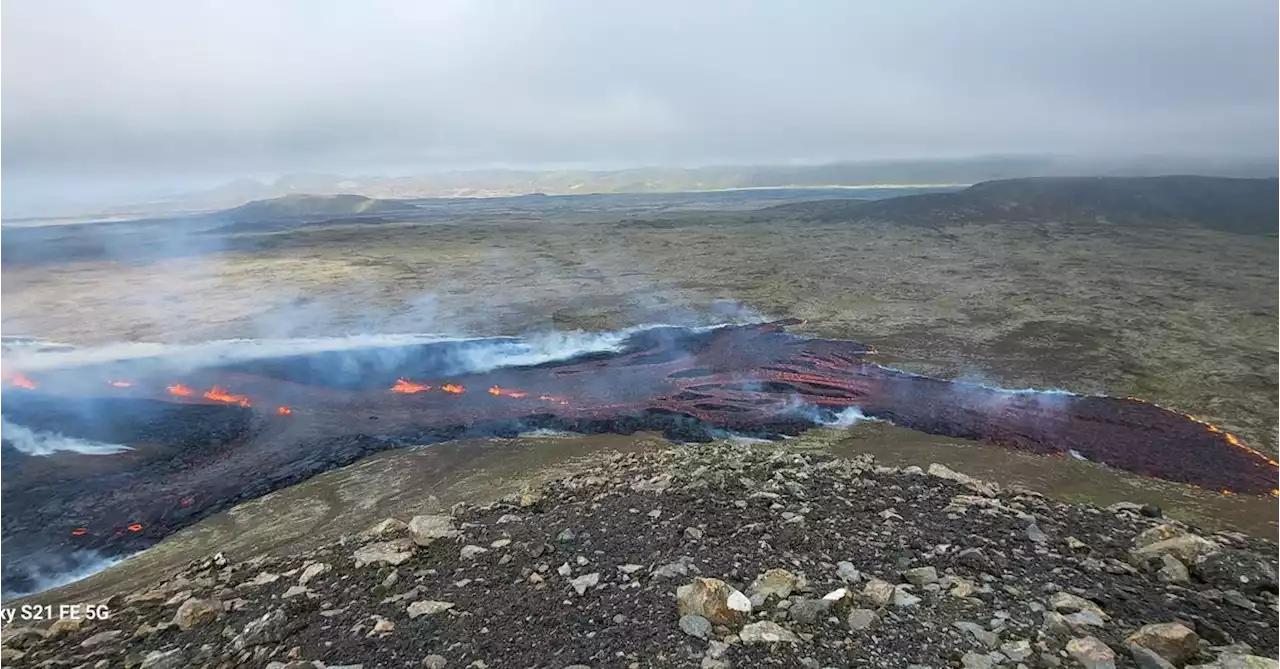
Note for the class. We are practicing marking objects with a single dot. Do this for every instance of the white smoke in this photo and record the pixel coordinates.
(205, 354)
(501, 352)
(544, 433)
(11, 344)
(1029, 391)
(736, 437)
(47, 443)
(977, 390)
(56, 573)
(538, 349)
(847, 418)
(978, 381)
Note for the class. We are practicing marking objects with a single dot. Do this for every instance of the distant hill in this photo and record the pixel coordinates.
(311, 207)
(507, 182)
(1236, 205)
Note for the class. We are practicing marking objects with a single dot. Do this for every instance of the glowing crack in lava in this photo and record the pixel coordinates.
(498, 391)
(218, 448)
(408, 387)
(221, 395)
(180, 390)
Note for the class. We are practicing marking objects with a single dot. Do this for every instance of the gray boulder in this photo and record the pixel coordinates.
(1233, 568)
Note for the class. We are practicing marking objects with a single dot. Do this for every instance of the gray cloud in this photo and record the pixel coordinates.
(168, 92)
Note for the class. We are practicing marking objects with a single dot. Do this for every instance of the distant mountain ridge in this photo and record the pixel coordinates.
(308, 206)
(1236, 205)
(509, 182)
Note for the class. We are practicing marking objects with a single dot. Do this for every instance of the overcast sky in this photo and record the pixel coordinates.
(159, 94)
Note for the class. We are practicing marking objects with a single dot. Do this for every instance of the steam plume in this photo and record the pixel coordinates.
(47, 443)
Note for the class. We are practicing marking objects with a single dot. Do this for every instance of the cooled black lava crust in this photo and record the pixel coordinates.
(193, 457)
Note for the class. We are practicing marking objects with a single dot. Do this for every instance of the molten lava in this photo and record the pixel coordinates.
(408, 387)
(1231, 439)
(690, 385)
(22, 381)
(498, 391)
(221, 395)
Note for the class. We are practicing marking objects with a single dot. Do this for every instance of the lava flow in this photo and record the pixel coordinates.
(498, 391)
(408, 387)
(180, 390)
(209, 450)
(220, 395)
(22, 381)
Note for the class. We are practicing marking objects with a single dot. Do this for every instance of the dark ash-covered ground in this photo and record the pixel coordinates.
(585, 571)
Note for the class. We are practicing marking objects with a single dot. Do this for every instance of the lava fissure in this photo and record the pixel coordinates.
(204, 440)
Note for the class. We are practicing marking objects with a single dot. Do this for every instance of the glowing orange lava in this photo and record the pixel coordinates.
(407, 386)
(284, 411)
(17, 379)
(79, 532)
(453, 388)
(221, 395)
(135, 527)
(181, 390)
(498, 391)
(1231, 439)
(120, 384)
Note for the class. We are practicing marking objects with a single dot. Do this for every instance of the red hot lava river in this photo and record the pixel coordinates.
(206, 439)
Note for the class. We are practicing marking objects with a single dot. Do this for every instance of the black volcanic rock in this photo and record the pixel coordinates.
(755, 380)
(1234, 205)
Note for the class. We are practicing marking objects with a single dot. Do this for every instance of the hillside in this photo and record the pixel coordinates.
(507, 182)
(714, 557)
(310, 206)
(1235, 205)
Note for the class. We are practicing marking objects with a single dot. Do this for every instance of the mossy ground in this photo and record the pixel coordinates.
(1185, 318)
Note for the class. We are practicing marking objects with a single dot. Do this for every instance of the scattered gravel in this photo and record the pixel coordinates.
(715, 556)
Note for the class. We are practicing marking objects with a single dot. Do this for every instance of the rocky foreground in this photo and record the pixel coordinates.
(715, 557)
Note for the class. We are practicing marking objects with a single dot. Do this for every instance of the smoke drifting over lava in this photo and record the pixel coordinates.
(206, 437)
(46, 443)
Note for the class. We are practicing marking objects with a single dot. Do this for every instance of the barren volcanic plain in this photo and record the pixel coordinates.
(1016, 285)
